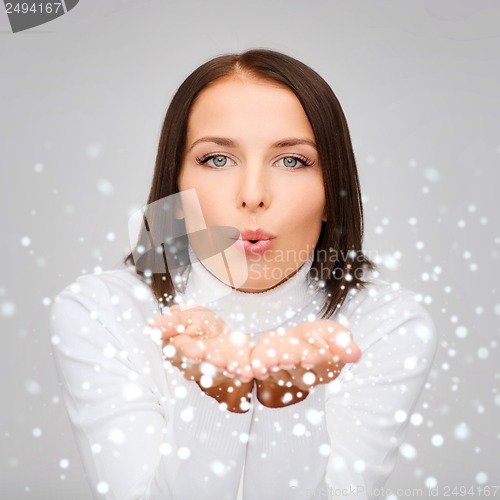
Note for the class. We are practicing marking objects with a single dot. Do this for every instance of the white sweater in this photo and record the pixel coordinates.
(144, 432)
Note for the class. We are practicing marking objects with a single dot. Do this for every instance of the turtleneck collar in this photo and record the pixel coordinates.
(251, 313)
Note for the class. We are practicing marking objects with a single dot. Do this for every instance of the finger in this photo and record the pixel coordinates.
(259, 370)
(238, 361)
(175, 316)
(169, 324)
(291, 352)
(277, 352)
(305, 353)
(304, 379)
(316, 341)
(306, 336)
(215, 355)
(316, 357)
(281, 377)
(203, 321)
(246, 374)
(263, 358)
(188, 347)
(339, 340)
(344, 349)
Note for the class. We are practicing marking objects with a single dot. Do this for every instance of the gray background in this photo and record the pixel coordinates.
(82, 101)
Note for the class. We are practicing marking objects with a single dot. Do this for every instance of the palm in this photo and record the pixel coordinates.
(287, 364)
(207, 351)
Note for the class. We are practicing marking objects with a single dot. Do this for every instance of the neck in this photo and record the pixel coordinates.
(250, 311)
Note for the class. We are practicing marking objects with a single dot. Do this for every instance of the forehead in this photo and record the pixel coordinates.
(245, 107)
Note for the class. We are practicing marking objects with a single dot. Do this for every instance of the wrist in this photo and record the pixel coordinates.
(236, 396)
(273, 395)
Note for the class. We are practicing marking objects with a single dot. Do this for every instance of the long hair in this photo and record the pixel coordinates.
(339, 263)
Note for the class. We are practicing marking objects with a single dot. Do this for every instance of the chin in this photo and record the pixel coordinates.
(254, 287)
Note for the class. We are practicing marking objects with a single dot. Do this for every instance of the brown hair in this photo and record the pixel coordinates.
(339, 263)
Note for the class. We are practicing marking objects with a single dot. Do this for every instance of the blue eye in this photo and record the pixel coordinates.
(289, 162)
(218, 160)
(292, 162)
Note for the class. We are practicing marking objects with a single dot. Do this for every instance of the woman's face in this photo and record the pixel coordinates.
(250, 156)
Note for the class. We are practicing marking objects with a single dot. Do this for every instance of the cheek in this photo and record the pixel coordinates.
(209, 197)
(213, 209)
(308, 203)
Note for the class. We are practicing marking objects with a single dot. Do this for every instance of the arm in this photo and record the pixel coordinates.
(368, 409)
(289, 444)
(139, 436)
(353, 448)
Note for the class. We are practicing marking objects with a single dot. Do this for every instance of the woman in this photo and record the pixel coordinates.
(276, 364)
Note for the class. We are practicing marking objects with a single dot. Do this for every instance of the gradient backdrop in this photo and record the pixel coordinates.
(82, 102)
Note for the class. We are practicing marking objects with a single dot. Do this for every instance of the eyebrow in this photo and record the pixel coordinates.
(283, 143)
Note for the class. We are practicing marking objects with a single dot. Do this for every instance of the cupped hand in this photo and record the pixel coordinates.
(200, 344)
(288, 363)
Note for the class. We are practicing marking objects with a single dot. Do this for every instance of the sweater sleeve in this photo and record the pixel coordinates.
(137, 440)
(342, 440)
(368, 408)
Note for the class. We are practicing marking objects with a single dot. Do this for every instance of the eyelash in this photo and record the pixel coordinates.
(306, 162)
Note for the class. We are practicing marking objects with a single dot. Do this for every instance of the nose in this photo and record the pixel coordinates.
(254, 189)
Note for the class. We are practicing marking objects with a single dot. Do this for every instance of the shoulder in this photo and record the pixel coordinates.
(382, 310)
(115, 299)
(105, 287)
